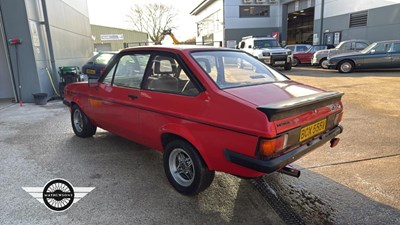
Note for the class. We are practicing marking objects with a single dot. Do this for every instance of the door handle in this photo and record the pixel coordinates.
(132, 96)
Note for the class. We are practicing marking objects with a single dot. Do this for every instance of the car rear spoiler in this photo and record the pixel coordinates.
(294, 106)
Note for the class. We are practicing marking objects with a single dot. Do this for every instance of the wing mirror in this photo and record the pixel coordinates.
(93, 82)
(373, 51)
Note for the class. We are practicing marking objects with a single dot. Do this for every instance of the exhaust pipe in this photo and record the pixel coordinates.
(288, 170)
(334, 142)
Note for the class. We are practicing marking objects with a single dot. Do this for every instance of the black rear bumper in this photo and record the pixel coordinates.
(272, 165)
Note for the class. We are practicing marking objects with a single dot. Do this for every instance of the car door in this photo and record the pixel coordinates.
(378, 57)
(169, 93)
(117, 96)
(395, 55)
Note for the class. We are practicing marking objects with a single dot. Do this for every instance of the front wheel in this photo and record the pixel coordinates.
(295, 62)
(185, 169)
(288, 66)
(346, 66)
(81, 124)
(324, 63)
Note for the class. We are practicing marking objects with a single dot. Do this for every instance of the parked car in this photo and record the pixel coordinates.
(204, 113)
(305, 57)
(321, 57)
(96, 64)
(382, 54)
(267, 50)
(298, 47)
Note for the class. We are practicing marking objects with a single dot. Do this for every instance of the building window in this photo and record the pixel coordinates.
(359, 19)
(254, 11)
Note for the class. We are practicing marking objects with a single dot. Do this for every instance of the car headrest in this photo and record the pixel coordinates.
(164, 65)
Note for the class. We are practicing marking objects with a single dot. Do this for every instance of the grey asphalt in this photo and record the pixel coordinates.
(37, 144)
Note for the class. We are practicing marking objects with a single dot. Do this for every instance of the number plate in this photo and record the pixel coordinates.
(312, 130)
(88, 71)
(279, 62)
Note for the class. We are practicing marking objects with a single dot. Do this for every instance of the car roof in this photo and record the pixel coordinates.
(355, 40)
(388, 41)
(107, 52)
(177, 47)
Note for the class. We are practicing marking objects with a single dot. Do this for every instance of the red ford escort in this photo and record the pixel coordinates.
(205, 113)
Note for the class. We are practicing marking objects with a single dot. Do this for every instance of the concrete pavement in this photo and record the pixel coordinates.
(37, 144)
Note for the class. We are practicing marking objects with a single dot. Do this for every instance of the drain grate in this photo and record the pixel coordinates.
(283, 210)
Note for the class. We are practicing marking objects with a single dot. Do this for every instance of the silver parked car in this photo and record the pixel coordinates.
(321, 57)
(381, 54)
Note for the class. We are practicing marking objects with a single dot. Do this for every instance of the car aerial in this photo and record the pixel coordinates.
(305, 57)
(321, 57)
(382, 54)
(298, 47)
(206, 114)
(267, 50)
(96, 64)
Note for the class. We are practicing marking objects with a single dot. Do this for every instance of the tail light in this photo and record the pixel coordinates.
(267, 147)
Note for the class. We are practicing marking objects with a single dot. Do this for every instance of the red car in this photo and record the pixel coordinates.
(204, 113)
(305, 57)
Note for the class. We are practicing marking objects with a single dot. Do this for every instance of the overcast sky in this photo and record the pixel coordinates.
(113, 13)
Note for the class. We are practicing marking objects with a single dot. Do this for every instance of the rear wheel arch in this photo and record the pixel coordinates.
(170, 136)
(298, 61)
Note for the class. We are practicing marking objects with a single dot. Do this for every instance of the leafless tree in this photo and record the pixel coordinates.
(152, 18)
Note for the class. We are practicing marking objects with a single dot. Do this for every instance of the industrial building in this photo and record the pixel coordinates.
(300, 21)
(47, 34)
(114, 39)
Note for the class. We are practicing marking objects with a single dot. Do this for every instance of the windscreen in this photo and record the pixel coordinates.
(266, 43)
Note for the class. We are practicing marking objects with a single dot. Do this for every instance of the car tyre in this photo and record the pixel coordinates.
(288, 66)
(346, 66)
(324, 63)
(185, 169)
(81, 124)
(295, 62)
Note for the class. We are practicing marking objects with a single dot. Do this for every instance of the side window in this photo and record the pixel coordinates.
(360, 45)
(302, 48)
(168, 76)
(382, 48)
(130, 70)
(242, 44)
(291, 48)
(396, 47)
(346, 46)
